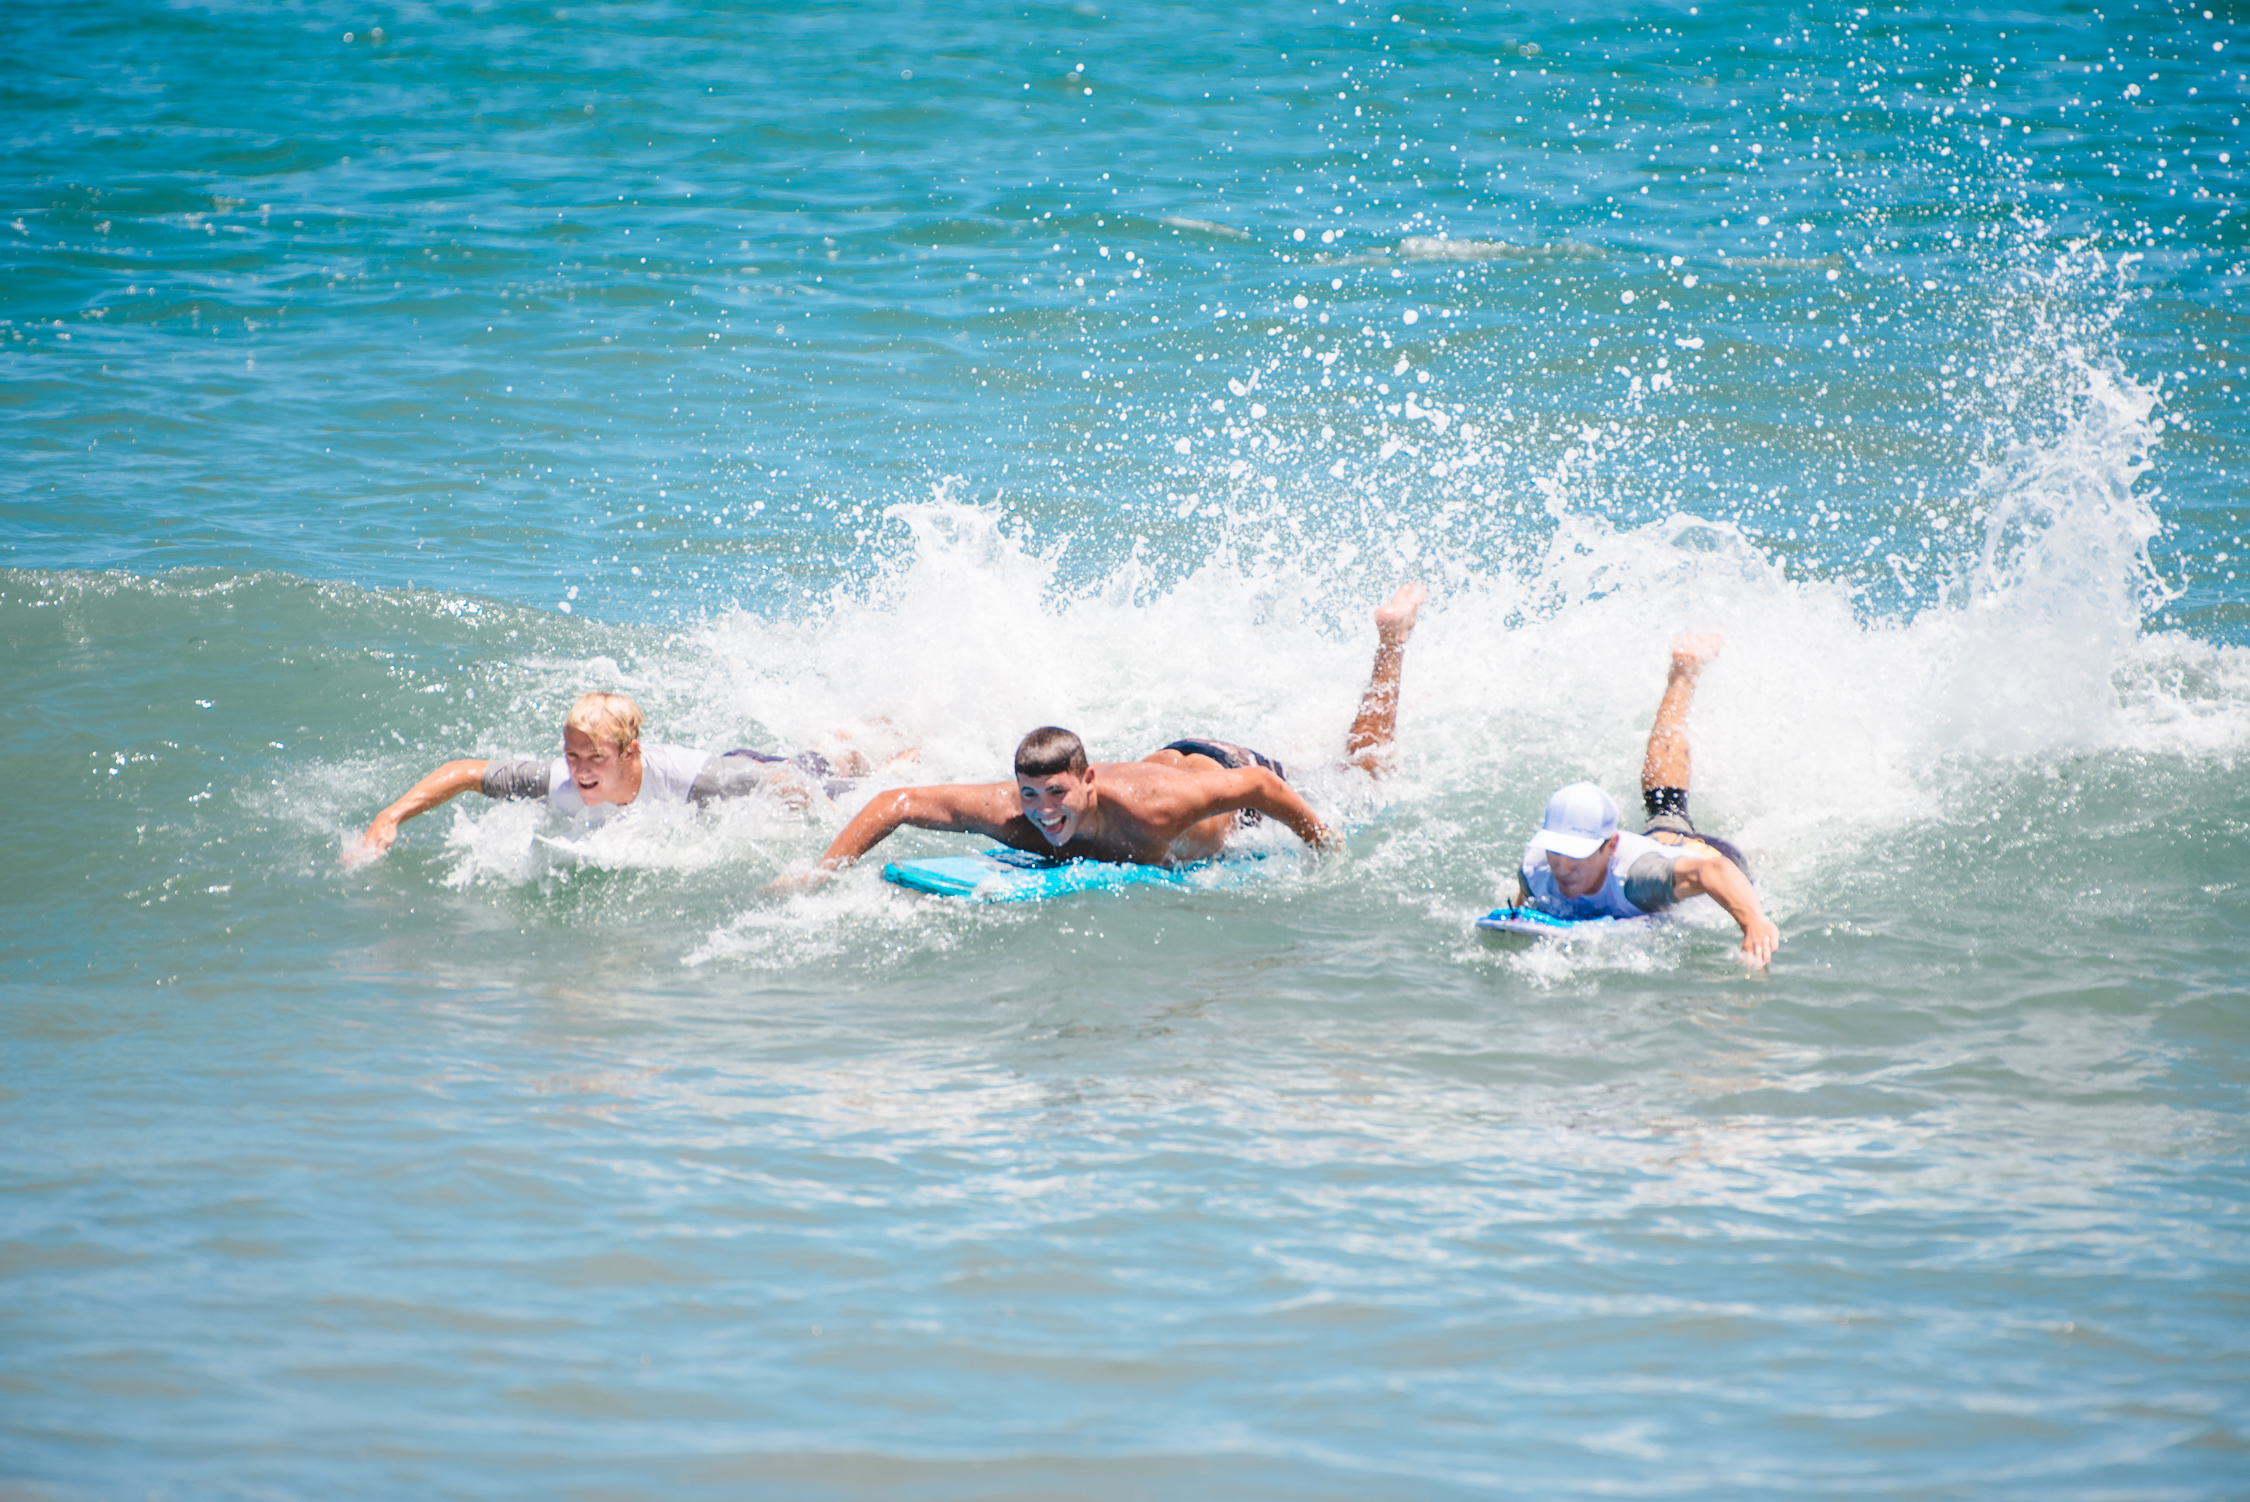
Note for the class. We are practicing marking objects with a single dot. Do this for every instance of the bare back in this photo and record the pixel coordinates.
(1155, 812)
(1175, 805)
(1160, 812)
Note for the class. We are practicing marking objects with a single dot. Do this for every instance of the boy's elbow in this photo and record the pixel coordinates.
(1688, 880)
(461, 776)
(890, 812)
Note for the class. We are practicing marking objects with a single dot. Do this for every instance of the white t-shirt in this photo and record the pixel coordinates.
(667, 774)
(1639, 881)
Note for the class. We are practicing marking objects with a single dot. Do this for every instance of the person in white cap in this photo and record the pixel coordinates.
(1579, 865)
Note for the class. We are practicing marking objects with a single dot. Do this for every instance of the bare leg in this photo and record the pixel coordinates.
(857, 751)
(1666, 765)
(1368, 746)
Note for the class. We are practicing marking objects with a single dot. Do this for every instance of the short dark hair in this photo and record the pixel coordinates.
(1048, 750)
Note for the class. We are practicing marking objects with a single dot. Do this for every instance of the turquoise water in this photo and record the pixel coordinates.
(378, 379)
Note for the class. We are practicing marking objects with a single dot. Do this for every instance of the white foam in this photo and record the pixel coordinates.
(1817, 729)
(1204, 226)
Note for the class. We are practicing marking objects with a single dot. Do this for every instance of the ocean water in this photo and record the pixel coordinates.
(377, 378)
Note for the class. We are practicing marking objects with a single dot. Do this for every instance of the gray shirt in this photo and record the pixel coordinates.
(669, 774)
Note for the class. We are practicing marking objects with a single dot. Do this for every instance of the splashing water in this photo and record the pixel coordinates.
(927, 374)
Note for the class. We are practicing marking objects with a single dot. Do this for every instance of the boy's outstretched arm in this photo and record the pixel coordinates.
(1721, 880)
(441, 786)
(959, 808)
(1276, 799)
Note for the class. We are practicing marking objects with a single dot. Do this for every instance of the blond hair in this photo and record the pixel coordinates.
(609, 718)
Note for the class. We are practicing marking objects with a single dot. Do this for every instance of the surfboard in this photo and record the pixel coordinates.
(1006, 875)
(556, 848)
(1532, 922)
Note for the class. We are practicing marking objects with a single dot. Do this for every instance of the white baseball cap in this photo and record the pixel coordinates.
(1580, 819)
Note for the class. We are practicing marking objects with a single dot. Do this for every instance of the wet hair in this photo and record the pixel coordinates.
(1048, 750)
(611, 719)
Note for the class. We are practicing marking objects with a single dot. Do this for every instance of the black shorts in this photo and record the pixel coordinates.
(1668, 815)
(814, 765)
(1228, 754)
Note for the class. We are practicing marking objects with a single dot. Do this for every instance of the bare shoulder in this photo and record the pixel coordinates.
(1135, 779)
(945, 805)
(1158, 793)
(990, 800)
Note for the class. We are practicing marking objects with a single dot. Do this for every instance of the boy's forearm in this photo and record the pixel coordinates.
(441, 786)
(1281, 801)
(1725, 884)
(882, 817)
(868, 828)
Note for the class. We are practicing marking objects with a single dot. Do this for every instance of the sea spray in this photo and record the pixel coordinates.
(344, 358)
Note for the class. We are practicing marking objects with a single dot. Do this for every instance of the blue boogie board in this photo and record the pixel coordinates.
(1006, 875)
(1530, 921)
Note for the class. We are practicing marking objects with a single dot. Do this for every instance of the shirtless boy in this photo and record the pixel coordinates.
(605, 766)
(1172, 806)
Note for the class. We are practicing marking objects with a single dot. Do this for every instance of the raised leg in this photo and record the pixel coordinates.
(858, 751)
(1368, 745)
(1666, 764)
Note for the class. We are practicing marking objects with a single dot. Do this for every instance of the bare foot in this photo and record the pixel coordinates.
(1394, 618)
(1692, 649)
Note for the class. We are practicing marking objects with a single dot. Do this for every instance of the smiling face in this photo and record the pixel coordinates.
(1582, 876)
(604, 773)
(1055, 802)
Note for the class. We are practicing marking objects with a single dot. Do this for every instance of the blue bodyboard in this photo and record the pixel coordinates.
(1530, 921)
(1005, 875)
